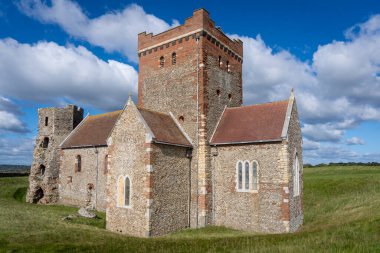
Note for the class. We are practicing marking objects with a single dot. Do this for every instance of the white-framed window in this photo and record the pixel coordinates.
(247, 176)
(255, 185)
(240, 176)
(124, 191)
(296, 176)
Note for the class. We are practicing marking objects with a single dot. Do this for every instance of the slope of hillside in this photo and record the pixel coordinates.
(342, 214)
(14, 170)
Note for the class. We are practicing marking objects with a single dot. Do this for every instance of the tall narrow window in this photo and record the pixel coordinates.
(162, 62)
(124, 191)
(46, 121)
(220, 61)
(45, 143)
(240, 176)
(174, 58)
(78, 164)
(246, 183)
(296, 177)
(228, 66)
(127, 192)
(105, 164)
(254, 175)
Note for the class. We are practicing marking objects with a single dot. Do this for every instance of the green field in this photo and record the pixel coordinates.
(342, 214)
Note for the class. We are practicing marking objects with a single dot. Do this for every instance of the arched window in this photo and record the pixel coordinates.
(105, 164)
(229, 96)
(296, 176)
(45, 143)
(218, 93)
(124, 191)
(240, 175)
(46, 121)
(246, 172)
(181, 119)
(78, 163)
(247, 176)
(162, 62)
(127, 191)
(254, 176)
(174, 58)
(220, 61)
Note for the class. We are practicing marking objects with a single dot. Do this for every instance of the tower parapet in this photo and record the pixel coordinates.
(200, 24)
(54, 124)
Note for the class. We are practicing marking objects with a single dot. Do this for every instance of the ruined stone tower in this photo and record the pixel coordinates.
(54, 124)
(193, 71)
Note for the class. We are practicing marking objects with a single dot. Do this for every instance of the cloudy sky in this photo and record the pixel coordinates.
(84, 52)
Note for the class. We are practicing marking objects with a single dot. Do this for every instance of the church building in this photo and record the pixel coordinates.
(188, 154)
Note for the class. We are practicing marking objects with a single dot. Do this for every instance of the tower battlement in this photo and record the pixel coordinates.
(200, 24)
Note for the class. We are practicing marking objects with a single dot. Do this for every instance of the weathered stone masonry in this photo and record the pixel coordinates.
(74, 185)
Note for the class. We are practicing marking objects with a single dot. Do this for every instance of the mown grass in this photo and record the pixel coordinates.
(342, 214)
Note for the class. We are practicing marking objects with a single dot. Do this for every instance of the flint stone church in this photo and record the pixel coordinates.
(187, 155)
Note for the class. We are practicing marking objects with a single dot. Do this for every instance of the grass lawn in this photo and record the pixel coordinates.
(342, 214)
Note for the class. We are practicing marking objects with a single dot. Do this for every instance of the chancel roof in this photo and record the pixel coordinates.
(250, 124)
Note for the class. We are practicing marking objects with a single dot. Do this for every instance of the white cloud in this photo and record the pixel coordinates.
(16, 150)
(269, 75)
(355, 141)
(310, 145)
(338, 153)
(9, 117)
(7, 105)
(322, 132)
(113, 31)
(48, 72)
(336, 91)
(10, 122)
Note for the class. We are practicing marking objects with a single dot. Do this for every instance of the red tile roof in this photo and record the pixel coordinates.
(93, 131)
(164, 128)
(254, 123)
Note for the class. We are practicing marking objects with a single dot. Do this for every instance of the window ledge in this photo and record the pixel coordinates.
(248, 191)
(124, 207)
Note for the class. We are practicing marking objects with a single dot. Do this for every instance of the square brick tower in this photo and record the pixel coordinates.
(193, 71)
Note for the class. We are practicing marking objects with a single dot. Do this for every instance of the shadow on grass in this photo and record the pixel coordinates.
(20, 194)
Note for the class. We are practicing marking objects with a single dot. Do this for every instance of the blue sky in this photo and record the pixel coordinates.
(84, 52)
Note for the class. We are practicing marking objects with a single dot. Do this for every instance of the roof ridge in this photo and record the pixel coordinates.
(106, 113)
(265, 103)
(149, 110)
